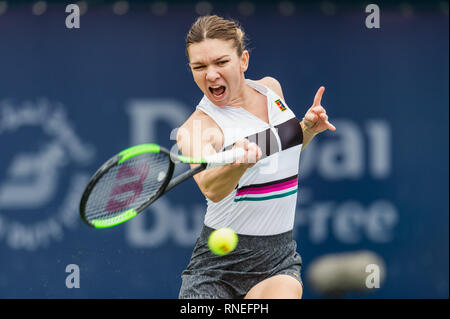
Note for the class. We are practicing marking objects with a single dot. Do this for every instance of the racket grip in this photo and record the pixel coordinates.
(223, 158)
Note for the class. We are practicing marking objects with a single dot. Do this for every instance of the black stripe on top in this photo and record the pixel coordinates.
(266, 140)
(290, 133)
(269, 183)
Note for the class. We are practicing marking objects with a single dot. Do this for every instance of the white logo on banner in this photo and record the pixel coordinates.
(32, 179)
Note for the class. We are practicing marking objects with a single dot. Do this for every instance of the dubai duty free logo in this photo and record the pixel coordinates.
(42, 173)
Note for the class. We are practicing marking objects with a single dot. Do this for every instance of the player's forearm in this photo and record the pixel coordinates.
(307, 135)
(217, 183)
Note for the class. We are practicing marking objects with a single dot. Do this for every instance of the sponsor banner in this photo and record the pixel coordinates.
(72, 98)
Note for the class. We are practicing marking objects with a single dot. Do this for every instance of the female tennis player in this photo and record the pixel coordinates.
(256, 195)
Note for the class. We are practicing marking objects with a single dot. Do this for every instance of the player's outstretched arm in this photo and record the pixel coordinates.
(315, 120)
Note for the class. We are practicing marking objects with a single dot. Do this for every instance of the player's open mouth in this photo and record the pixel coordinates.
(217, 91)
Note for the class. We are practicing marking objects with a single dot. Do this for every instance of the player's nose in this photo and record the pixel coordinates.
(212, 75)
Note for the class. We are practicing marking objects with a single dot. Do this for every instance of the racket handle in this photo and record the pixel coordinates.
(223, 158)
(184, 176)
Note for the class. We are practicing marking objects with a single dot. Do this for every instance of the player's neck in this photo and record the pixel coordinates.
(244, 97)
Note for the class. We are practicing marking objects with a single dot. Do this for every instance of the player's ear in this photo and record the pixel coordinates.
(244, 61)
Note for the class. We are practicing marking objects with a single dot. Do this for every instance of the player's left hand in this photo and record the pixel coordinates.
(316, 118)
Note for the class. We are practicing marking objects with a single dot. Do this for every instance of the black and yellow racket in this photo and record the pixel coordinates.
(130, 181)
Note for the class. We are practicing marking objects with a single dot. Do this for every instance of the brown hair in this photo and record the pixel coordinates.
(215, 27)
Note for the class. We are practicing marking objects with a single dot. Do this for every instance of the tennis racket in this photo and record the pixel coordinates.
(130, 181)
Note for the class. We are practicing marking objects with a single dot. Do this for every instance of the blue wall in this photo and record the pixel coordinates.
(76, 97)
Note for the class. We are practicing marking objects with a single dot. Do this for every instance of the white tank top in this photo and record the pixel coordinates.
(264, 201)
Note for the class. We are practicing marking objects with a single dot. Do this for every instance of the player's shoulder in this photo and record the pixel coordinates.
(272, 84)
(187, 134)
(200, 117)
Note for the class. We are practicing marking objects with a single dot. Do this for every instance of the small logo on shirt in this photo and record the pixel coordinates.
(280, 105)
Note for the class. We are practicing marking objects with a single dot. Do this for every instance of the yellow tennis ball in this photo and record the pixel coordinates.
(222, 241)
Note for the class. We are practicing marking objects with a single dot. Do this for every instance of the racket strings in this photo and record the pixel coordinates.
(127, 186)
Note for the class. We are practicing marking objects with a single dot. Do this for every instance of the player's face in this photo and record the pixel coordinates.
(218, 70)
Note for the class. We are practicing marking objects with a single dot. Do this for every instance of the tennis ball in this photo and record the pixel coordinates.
(222, 241)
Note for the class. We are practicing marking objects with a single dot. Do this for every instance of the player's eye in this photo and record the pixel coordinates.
(223, 62)
(198, 68)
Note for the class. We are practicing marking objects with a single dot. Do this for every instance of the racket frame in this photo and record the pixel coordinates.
(168, 183)
(117, 160)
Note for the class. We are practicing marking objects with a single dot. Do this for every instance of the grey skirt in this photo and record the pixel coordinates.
(231, 276)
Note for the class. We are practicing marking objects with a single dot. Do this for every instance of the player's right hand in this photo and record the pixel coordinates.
(252, 153)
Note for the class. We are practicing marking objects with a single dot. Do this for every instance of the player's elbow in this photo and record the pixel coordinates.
(211, 192)
(214, 196)
(212, 185)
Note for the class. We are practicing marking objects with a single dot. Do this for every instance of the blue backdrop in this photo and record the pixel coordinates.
(74, 97)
